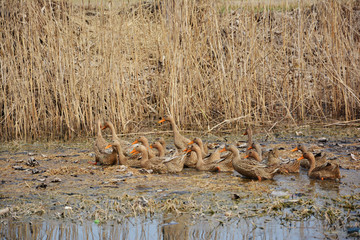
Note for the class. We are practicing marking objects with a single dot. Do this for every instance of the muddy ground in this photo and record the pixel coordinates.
(43, 185)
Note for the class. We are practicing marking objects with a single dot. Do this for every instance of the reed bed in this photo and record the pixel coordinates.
(212, 64)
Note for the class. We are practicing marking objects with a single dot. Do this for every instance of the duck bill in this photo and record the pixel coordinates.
(250, 148)
(151, 146)
(135, 142)
(108, 146)
(191, 142)
(162, 120)
(103, 127)
(246, 156)
(300, 158)
(187, 150)
(134, 152)
(295, 149)
(223, 150)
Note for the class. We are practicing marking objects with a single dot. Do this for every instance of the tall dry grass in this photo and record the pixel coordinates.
(63, 65)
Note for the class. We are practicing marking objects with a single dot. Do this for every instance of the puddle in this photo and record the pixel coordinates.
(70, 199)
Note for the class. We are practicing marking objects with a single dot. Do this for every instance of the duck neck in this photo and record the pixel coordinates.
(121, 156)
(312, 163)
(206, 149)
(113, 131)
(161, 151)
(259, 151)
(256, 156)
(99, 129)
(144, 158)
(234, 151)
(145, 142)
(236, 156)
(200, 161)
(174, 128)
(250, 141)
(201, 145)
(120, 152)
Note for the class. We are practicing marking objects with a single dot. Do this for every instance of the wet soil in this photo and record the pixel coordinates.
(50, 189)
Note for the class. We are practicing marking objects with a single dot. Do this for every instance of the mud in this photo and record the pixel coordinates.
(52, 191)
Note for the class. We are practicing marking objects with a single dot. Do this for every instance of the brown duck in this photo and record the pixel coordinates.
(224, 163)
(200, 164)
(257, 148)
(121, 159)
(100, 142)
(99, 145)
(159, 165)
(159, 147)
(250, 168)
(180, 141)
(199, 142)
(143, 140)
(320, 158)
(273, 157)
(105, 158)
(326, 171)
(190, 159)
(124, 144)
(162, 141)
(289, 166)
(249, 133)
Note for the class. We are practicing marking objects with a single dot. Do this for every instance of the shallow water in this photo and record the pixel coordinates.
(92, 202)
(156, 229)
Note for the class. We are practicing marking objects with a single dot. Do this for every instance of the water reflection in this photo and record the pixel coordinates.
(166, 227)
(175, 227)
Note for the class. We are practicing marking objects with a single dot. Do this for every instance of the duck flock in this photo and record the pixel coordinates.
(205, 157)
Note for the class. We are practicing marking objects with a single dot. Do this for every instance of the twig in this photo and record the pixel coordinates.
(342, 123)
(4, 211)
(227, 121)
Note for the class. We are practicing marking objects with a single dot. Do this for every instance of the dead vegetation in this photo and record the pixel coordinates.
(63, 65)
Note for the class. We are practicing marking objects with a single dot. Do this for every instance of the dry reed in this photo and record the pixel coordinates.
(63, 65)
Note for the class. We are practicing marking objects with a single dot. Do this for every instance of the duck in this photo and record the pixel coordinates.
(159, 147)
(180, 141)
(190, 159)
(103, 158)
(320, 158)
(100, 142)
(249, 133)
(200, 164)
(212, 145)
(144, 141)
(199, 142)
(257, 148)
(250, 168)
(224, 162)
(99, 145)
(289, 166)
(114, 136)
(327, 170)
(121, 159)
(273, 157)
(157, 164)
(162, 141)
